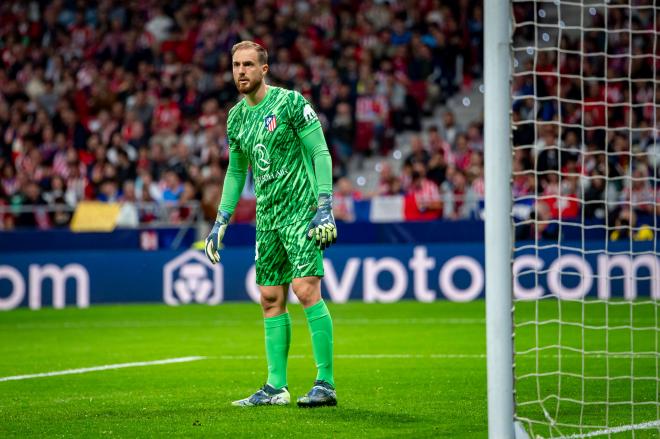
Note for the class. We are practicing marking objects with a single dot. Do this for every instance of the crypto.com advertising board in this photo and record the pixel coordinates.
(371, 273)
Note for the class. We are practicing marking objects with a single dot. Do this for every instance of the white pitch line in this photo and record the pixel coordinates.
(621, 429)
(99, 368)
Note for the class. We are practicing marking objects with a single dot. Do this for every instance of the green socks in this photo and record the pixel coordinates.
(320, 327)
(278, 340)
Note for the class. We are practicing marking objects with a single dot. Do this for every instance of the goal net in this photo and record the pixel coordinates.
(586, 271)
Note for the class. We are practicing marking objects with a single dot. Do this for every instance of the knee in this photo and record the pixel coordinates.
(272, 304)
(308, 293)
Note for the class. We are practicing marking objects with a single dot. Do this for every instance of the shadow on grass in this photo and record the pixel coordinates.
(356, 414)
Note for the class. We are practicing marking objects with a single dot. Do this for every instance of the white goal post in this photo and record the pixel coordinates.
(497, 177)
(572, 195)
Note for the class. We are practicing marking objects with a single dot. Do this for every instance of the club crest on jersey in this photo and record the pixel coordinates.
(270, 122)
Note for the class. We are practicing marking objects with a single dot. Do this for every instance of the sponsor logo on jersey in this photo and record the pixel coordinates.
(270, 122)
(309, 114)
(269, 176)
(261, 157)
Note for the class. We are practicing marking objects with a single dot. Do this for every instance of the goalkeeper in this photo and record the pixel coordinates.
(278, 134)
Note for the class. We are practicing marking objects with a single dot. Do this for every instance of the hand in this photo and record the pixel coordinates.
(322, 227)
(214, 240)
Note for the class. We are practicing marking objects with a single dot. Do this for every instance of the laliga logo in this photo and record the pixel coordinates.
(262, 160)
(191, 277)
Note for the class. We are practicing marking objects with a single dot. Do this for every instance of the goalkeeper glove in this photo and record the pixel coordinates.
(214, 240)
(322, 228)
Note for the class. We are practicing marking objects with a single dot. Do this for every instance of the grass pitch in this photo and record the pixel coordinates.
(402, 370)
(406, 369)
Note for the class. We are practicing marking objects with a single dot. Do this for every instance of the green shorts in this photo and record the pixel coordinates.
(285, 254)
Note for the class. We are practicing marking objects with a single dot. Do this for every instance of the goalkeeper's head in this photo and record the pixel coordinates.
(249, 66)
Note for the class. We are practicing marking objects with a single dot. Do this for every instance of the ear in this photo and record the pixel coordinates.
(264, 69)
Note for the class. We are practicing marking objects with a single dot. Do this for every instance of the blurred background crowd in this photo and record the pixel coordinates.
(127, 101)
(586, 116)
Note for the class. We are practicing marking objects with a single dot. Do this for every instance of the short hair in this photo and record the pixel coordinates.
(262, 54)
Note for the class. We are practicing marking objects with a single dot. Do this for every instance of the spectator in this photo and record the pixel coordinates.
(437, 168)
(128, 214)
(55, 194)
(184, 212)
(418, 152)
(159, 25)
(560, 199)
(538, 226)
(422, 200)
(344, 197)
(139, 105)
(166, 120)
(371, 115)
(439, 145)
(462, 153)
(460, 201)
(640, 195)
(342, 134)
(388, 182)
(548, 152)
(61, 214)
(171, 185)
(594, 199)
(623, 225)
(108, 191)
(33, 208)
(8, 180)
(474, 138)
(449, 128)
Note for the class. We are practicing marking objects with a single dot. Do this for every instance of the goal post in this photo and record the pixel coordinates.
(498, 228)
(572, 196)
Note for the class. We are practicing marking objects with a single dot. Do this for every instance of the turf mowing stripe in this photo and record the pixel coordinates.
(621, 429)
(197, 323)
(229, 322)
(99, 368)
(409, 356)
(360, 356)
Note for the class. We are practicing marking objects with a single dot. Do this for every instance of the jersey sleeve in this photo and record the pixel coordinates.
(234, 182)
(232, 127)
(317, 149)
(302, 116)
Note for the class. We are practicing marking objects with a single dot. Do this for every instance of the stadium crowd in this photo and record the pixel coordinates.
(122, 100)
(586, 119)
(127, 101)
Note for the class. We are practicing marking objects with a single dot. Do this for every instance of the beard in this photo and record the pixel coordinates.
(247, 88)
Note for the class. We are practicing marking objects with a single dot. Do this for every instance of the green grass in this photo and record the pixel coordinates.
(627, 331)
(418, 396)
(422, 372)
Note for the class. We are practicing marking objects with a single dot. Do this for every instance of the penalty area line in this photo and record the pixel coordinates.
(100, 368)
(620, 429)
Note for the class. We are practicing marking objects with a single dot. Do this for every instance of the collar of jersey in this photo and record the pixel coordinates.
(260, 104)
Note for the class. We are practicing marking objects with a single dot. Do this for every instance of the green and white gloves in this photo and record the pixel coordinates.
(214, 240)
(322, 228)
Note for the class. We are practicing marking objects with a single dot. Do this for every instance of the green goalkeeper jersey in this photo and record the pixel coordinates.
(269, 135)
